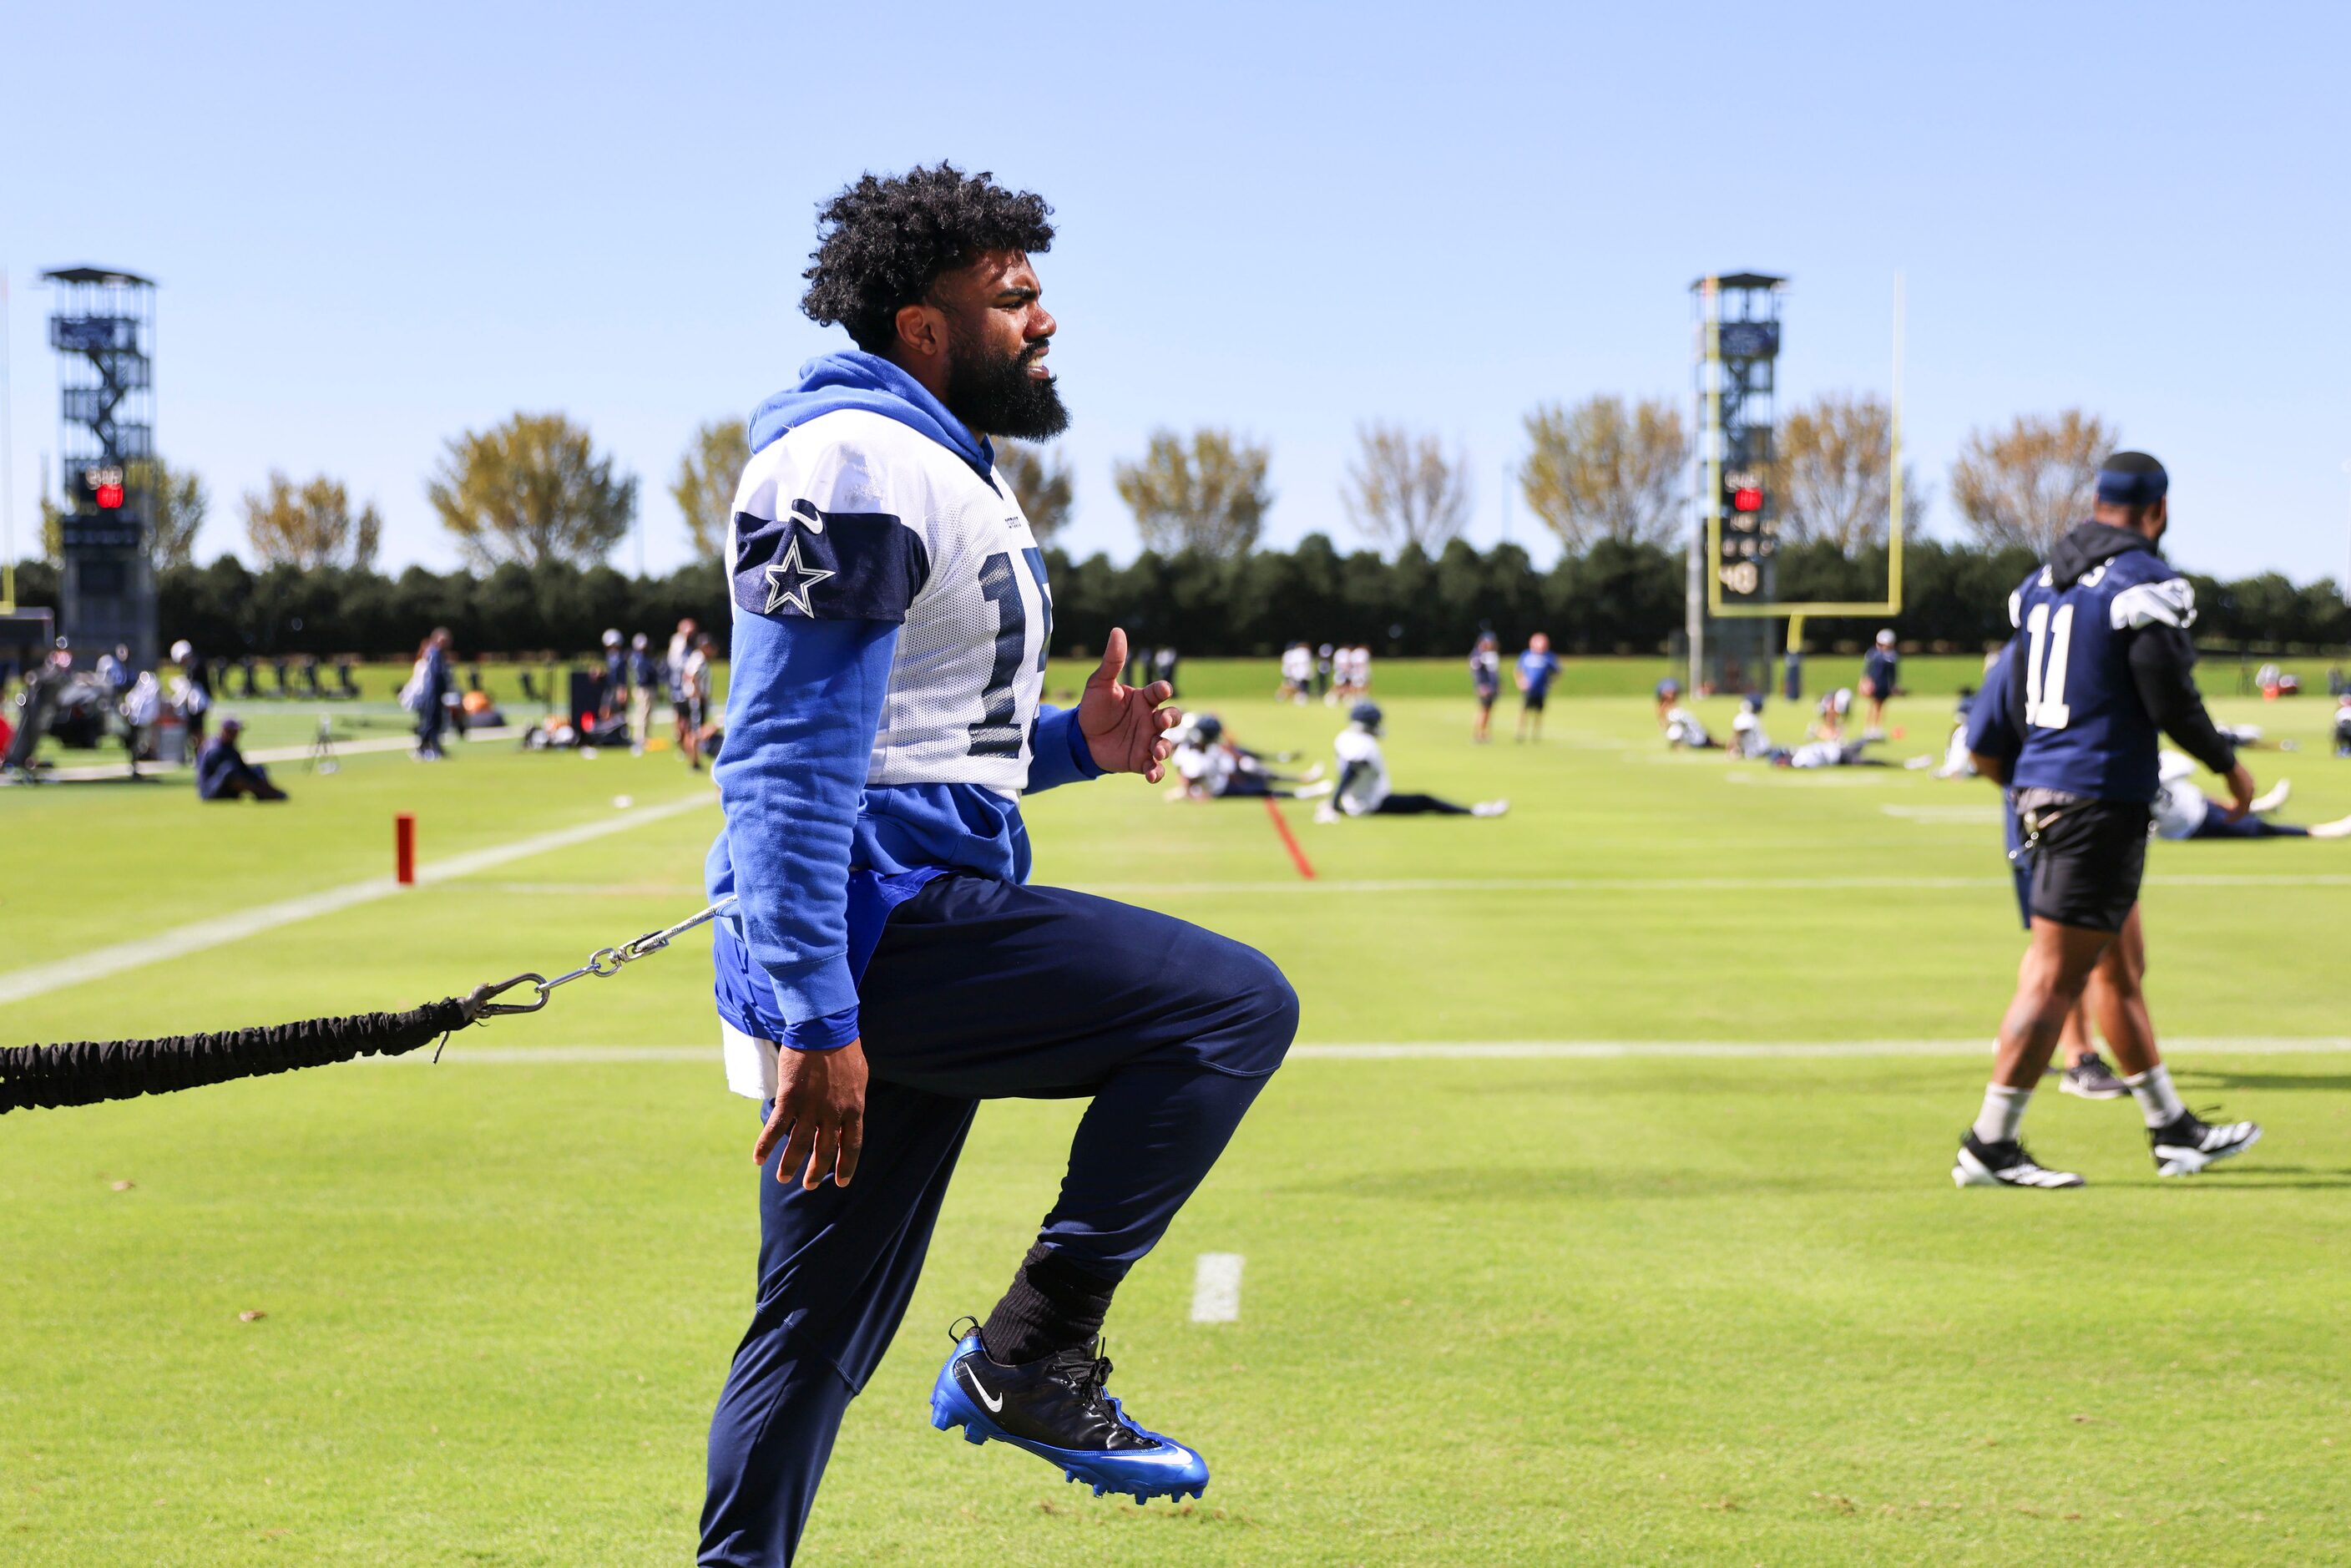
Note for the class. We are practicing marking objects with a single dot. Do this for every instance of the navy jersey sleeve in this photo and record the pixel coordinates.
(828, 565)
(1993, 726)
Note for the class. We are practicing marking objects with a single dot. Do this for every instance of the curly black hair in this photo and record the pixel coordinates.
(880, 244)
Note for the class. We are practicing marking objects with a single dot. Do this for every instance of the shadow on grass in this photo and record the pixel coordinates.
(2258, 1178)
(2214, 1079)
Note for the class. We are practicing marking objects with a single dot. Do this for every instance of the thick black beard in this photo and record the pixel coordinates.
(994, 396)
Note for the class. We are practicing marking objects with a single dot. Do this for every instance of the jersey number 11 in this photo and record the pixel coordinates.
(2049, 643)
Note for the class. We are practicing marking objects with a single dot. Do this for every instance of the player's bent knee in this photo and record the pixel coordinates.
(1265, 1013)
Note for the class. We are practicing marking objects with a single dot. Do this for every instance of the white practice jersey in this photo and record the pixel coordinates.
(1368, 786)
(1297, 666)
(1958, 762)
(1682, 728)
(1209, 768)
(2180, 806)
(855, 516)
(1748, 738)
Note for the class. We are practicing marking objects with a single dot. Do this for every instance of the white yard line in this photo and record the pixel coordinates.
(1588, 1050)
(1217, 1289)
(462, 1053)
(1663, 883)
(17, 985)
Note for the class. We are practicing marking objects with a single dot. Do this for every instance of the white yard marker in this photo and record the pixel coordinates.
(462, 1054)
(1217, 1289)
(17, 985)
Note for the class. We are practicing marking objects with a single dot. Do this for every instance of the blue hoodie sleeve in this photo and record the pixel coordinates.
(1057, 752)
(1992, 729)
(804, 700)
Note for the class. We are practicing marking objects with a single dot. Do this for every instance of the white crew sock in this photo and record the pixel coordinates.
(2004, 1110)
(2158, 1102)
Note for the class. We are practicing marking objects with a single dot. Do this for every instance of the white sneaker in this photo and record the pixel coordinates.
(1326, 812)
(2339, 829)
(1313, 772)
(1310, 792)
(2265, 804)
(1489, 809)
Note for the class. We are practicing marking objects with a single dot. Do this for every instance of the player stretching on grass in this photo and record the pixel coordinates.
(1363, 787)
(891, 627)
(2105, 663)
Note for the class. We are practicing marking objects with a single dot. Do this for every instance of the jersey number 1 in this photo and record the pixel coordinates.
(997, 734)
(2049, 645)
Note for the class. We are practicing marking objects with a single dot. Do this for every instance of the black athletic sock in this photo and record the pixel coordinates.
(1053, 1305)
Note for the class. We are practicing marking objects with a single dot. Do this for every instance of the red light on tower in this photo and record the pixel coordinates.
(1747, 499)
(109, 498)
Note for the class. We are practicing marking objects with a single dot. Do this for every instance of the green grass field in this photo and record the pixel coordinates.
(1656, 1307)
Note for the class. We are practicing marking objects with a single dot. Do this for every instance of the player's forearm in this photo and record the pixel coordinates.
(2163, 668)
(805, 702)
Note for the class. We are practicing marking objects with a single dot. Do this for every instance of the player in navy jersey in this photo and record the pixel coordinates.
(1987, 730)
(886, 965)
(2101, 666)
(1535, 669)
(1486, 681)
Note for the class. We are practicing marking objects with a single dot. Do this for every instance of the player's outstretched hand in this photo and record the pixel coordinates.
(2241, 790)
(1124, 727)
(821, 1103)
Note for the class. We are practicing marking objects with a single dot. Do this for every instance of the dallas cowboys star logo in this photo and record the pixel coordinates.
(788, 581)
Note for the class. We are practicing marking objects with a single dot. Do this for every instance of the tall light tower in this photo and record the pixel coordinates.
(103, 330)
(1736, 535)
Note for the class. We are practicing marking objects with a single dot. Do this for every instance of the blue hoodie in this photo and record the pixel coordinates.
(815, 858)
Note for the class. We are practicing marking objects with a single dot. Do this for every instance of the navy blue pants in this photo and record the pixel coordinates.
(2216, 826)
(982, 989)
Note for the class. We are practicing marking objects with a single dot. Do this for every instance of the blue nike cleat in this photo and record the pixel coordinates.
(1057, 1409)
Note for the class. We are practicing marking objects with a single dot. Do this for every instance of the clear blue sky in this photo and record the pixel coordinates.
(375, 226)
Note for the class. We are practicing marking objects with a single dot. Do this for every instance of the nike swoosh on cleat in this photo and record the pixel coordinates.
(995, 1403)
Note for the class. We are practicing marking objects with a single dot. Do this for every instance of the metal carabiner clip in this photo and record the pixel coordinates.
(483, 1004)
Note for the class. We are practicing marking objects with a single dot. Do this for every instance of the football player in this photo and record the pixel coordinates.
(1297, 673)
(1363, 787)
(2100, 667)
(1535, 671)
(2185, 811)
(886, 965)
(1748, 739)
(1683, 731)
(1486, 681)
(1881, 669)
(1985, 728)
(1209, 765)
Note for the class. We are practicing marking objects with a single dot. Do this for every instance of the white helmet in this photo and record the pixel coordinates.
(181, 650)
(612, 639)
(2172, 766)
(1886, 638)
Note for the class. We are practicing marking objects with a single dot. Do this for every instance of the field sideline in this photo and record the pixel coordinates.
(1538, 1307)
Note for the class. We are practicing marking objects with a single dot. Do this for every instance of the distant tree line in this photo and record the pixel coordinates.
(535, 509)
(1613, 597)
